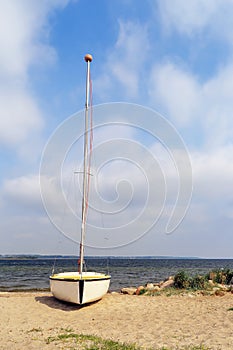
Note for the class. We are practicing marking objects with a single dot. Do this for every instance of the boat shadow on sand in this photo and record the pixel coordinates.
(54, 303)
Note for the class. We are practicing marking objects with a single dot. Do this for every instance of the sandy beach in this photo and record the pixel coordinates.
(28, 319)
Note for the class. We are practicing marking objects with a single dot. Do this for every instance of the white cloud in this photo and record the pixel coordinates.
(213, 174)
(19, 115)
(24, 34)
(210, 215)
(191, 17)
(176, 91)
(22, 192)
(125, 61)
(21, 25)
(186, 101)
(217, 104)
(24, 45)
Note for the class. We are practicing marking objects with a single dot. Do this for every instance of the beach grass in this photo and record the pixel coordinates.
(91, 342)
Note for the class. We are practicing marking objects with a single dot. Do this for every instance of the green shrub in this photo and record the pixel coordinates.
(142, 291)
(222, 276)
(181, 280)
(198, 282)
(229, 275)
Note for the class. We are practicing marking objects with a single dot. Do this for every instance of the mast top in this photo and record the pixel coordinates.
(88, 57)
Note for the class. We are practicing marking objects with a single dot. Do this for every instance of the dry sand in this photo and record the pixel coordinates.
(28, 319)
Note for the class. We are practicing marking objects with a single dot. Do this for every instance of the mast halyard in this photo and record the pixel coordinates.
(88, 59)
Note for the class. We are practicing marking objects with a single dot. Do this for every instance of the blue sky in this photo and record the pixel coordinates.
(172, 56)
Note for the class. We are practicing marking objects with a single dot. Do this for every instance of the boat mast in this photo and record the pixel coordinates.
(88, 59)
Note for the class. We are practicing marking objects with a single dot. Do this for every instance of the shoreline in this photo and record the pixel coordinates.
(28, 319)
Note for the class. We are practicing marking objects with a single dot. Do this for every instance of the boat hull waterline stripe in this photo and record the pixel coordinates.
(74, 279)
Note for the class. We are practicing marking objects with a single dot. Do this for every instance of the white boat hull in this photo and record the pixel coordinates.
(79, 289)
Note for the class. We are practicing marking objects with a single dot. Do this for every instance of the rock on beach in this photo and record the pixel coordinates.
(214, 288)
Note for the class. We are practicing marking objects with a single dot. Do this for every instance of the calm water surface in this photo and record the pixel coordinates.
(33, 274)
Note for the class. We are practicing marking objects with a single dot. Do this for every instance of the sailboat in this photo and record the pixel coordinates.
(81, 287)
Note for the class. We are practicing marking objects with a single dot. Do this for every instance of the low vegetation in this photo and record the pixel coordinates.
(183, 281)
(90, 342)
(223, 276)
(216, 282)
(199, 282)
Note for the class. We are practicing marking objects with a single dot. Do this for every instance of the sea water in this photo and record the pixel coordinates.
(32, 273)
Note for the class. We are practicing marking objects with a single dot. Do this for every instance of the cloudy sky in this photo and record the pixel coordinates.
(170, 56)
